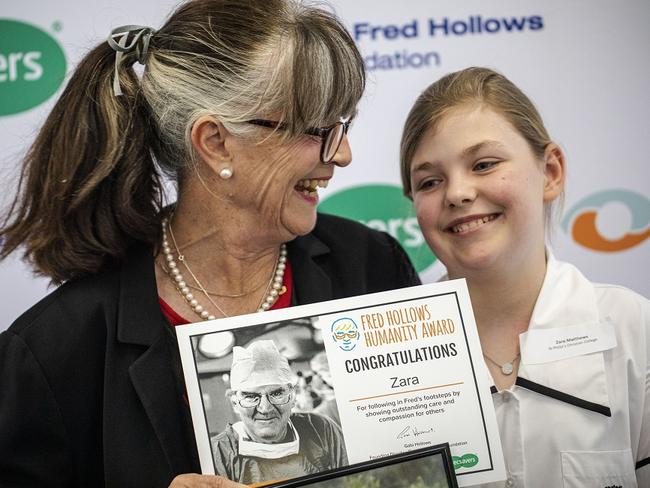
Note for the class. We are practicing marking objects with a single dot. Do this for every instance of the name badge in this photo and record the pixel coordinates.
(546, 345)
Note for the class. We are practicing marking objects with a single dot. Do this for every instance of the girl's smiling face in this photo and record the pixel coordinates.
(479, 192)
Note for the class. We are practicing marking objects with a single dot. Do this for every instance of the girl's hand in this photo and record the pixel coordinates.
(193, 480)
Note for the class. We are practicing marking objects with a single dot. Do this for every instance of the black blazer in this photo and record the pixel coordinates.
(90, 382)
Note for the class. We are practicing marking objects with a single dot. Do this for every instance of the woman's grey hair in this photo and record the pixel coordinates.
(242, 59)
(90, 184)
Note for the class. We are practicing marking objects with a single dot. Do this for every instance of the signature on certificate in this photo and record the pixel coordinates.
(409, 431)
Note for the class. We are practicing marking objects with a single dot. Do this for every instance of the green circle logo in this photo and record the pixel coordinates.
(385, 208)
(32, 66)
(464, 461)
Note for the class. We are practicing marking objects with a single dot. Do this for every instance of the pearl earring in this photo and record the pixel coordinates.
(225, 173)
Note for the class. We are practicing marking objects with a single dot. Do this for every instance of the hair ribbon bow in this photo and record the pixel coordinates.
(139, 42)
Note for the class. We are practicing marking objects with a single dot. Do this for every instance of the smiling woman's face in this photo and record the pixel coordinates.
(478, 191)
(265, 423)
(279, 181)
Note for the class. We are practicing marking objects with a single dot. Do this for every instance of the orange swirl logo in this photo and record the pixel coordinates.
(584, 219)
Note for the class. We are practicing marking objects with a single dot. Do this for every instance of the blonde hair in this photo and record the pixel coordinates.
(91, 183)
(471, 85)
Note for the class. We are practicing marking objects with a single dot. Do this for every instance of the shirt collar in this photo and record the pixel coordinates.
(567, 298)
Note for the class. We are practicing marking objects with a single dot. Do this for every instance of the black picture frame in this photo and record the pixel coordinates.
(440, 451)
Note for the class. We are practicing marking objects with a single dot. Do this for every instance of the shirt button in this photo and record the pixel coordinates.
(506, 399)
(510, 482)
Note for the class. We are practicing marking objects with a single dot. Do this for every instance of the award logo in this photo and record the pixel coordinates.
(345, 333)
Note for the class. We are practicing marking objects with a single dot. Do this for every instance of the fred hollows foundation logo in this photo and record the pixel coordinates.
(385, 208)
(32, 66)
(625, 214)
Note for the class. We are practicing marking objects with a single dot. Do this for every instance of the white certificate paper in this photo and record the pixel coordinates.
(406, 369)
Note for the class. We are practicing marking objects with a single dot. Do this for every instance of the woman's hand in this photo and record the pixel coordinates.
(193, 480)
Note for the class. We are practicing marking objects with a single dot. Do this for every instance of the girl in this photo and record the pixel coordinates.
(568, 358)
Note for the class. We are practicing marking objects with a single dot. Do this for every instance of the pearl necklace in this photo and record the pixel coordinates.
(274, 286)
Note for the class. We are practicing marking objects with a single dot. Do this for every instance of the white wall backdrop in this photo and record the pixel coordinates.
(584, 63)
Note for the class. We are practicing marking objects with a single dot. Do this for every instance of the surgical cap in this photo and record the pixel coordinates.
(259, 364)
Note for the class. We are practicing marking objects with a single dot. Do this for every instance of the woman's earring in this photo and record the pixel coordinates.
(225, 173)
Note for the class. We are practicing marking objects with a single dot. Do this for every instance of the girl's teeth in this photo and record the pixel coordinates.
(471, 225)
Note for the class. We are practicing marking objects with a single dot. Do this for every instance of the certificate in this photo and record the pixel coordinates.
(372, 376)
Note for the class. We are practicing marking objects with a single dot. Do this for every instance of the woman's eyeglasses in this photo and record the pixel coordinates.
(331, 136)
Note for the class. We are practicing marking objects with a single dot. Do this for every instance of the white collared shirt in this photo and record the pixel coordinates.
(581, 421)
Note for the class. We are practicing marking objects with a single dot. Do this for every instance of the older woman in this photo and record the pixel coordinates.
(246, 106)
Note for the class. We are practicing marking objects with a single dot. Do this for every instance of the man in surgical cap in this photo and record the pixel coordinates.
(270, 442)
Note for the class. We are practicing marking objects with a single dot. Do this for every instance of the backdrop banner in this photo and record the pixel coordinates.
(584, 64)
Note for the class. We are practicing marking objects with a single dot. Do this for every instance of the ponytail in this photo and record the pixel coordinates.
(89, 186)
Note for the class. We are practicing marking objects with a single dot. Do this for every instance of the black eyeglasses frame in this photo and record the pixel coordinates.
(322, 132)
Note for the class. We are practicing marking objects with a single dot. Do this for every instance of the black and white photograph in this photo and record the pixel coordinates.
(269, 402)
